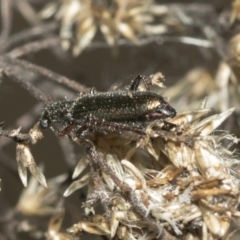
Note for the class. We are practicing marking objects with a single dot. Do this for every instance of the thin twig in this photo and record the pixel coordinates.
(15, 135)
(153, 39)
(37, 93)
(233, 233)
(35, 46)
(6, 18)
(96, 161)
(28, 35)
(49, 74)
(25, 121)
(94, 167)
(27, 12)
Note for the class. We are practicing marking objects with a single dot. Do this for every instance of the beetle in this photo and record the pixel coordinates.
(107, 108)
(129, 110)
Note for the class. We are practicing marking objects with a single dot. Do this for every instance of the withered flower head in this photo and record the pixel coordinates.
(81, 20)
(179, 182)
(37, 200)
(235, 11)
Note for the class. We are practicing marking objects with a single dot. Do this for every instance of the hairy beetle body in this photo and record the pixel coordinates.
(117, 106)
(124, 106)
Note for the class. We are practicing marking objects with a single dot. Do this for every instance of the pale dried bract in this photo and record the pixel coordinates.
(36, 200)
(181, 181)
(130, 19)
(54, 226)
(25, 160)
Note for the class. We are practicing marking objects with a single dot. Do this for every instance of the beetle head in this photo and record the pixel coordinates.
(56, 112)
(166, 110)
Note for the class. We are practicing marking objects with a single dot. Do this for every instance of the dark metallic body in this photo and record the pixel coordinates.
(117, 106)
(125, 106)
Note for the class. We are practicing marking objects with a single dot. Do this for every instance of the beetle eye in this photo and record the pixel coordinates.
(44, 123)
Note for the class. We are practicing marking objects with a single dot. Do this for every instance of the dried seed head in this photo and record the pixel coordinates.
(177, 179)
(129, 19)
(37, 200)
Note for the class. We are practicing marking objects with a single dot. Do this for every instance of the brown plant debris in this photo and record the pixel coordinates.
(129, 19)
(177, 185)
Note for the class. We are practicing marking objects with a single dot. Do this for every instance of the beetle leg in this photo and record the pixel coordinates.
(83, 130)
(135, 84)
(66, 130)
(95, 161)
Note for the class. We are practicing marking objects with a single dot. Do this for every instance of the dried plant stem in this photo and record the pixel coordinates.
(158, 40)
(26, 120)
(35, 46)
(6, 18)
(28, 35)
(94, 166)
(49, 74)
(37, 93)
(229, 237)
(27, 12)
(96, 161)
(15, 135)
